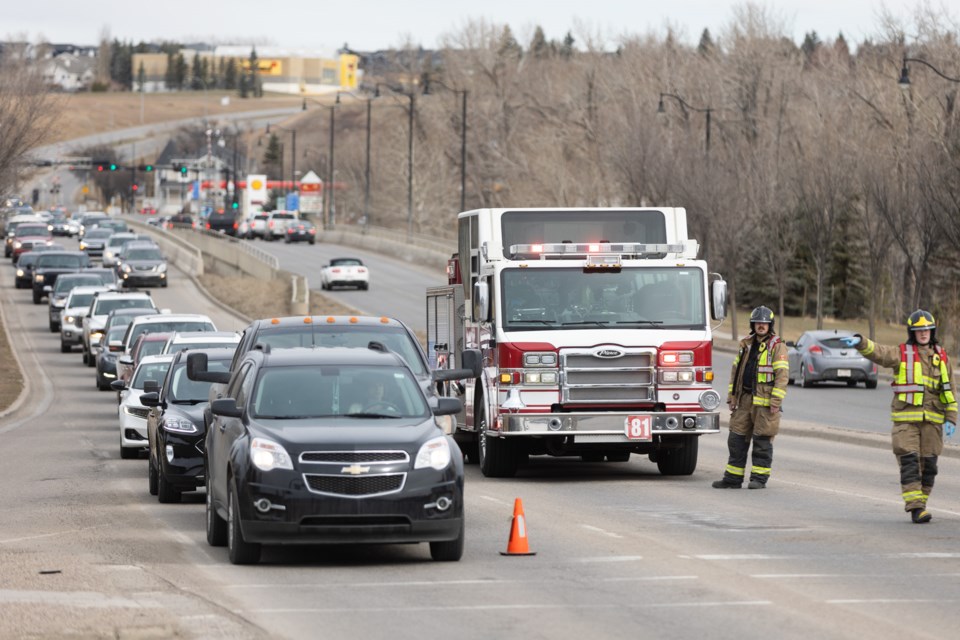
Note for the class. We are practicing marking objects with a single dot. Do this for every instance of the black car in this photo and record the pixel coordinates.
(181, 221)
(175, 429)
(331, 446)
(141, 263)
(300, 231)
(23, 274)
(50, 265)
(112, 343)
(222, 221)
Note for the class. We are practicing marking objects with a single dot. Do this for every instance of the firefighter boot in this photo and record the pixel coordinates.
(737, 446)
(756, 484)
(920, 516)
(723, 484)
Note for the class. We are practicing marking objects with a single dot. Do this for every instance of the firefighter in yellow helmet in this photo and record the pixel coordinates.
(923, 405)
(758, 385)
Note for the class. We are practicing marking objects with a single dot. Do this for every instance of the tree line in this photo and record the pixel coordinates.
(827, 188)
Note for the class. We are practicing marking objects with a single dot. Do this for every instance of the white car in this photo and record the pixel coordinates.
(345, 272)
(258, 226)
(96, 317)
(113, 246)
(71, 316)
(193, 340)
(132, 414)
(277, 222)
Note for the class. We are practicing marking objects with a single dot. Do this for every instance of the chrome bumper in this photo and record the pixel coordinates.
(605, 424)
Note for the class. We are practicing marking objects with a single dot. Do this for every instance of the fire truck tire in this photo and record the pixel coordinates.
(679, 462)
(497, 456)
(592, 457)
(619, 456)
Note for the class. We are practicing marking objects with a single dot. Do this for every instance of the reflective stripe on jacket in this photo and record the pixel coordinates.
(773, 371)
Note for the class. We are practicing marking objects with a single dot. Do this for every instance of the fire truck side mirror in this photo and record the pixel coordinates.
(472, 359)
(481, 301)
(718, 298)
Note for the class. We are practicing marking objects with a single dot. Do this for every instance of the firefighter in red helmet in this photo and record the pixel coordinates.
(923, 406)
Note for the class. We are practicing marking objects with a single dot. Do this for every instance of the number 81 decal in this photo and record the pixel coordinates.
(638, 427)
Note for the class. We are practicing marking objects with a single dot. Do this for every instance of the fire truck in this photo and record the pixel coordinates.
(593, 329)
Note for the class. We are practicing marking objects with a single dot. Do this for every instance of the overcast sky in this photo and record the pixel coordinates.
(380, 24)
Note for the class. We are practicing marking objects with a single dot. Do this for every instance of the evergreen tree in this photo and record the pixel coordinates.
(141, 76)
(254, 83)
(566, 49)
(170, 75)
(272, 154)
(196, 73)
(539, 48)
(230, 75)
(811, 42)
(180, 72)
(706, 46)
(509, 47)
(242, 90)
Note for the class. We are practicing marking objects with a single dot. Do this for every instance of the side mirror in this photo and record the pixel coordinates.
(481, 301)
(472, 359)
(718, 299)
(790, 343)
(444, 375)
(225, 407)
(151, 399)
(446, 407)
(47, 288)
(151, 386)
(197, 370)
(128, 360)
(118, 385)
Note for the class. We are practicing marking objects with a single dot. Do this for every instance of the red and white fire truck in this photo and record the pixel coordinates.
(594, 331)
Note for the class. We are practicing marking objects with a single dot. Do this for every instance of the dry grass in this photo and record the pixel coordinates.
(83, 114)
(11, 378)
(791, 327)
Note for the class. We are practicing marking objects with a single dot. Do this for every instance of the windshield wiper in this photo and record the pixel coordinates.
(652, 323)
(599, 323)
(191, 402)
(369, 415)
(533, 321)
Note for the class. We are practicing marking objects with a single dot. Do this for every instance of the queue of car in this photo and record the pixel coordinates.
(301, 430)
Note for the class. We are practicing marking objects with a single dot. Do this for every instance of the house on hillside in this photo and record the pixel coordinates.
(69, 72)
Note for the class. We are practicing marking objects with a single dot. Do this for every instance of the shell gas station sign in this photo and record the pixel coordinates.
(257, 189)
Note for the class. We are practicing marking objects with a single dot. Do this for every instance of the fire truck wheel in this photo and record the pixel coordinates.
(679, 462)
(497, 456)
(592, 457)
(468, 445)
(618, 456)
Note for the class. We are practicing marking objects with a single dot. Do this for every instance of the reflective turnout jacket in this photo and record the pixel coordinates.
(922, 389)
(773, 371)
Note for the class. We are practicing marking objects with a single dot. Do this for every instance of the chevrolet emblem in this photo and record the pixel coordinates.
(355, 469)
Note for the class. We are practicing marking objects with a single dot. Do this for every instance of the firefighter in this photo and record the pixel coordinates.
(923, 406)
(758, 385)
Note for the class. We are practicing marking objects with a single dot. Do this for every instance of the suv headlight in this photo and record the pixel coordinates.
(179, 425)
(267, 454)
(126, 268)
(161, 268)
(434, 453)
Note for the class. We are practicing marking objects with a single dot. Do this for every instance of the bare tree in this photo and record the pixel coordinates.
(27, 112)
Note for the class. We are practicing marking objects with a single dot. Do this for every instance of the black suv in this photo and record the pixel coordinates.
(175, 429)
(50, 265)
(331, 446)
(222, 221)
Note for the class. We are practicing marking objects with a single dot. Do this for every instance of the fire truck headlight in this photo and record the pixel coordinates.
(548, 378)
(668, 376)
(709, 400)
(685, 376)
(531, 378)
(531, 358)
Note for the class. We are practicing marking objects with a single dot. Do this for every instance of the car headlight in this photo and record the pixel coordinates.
(179, 425)
(17, 244)
(95, 336)
(161, 268)
(38, 277)
(68, 319)
(434, 453)
(19, 273)
(83, 245)
(127, 268)
(267, 455)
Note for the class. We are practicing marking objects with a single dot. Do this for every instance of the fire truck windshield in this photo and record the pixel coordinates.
(560, 298)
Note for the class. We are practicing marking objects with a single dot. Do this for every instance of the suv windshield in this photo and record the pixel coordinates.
(80, 299)
(168, 327)
(31, 230)
(143, 254)
(60, 262)
(325, 391)
(106, 306)
(67, 283)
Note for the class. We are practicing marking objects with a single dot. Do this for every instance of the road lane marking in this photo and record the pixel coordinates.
(494, 500)
(788, 576)
(48, 535)
(853, 494)
(739, 556)
(890, 601)
(609, 534)
(82, 599)
(608, 559)
(379, 585)
(650, 579)
(513, 607)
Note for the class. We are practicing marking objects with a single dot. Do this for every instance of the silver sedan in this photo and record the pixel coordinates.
(819, 356)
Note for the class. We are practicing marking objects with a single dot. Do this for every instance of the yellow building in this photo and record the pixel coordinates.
(279, 70)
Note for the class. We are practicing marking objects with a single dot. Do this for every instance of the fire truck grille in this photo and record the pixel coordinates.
(591, 379)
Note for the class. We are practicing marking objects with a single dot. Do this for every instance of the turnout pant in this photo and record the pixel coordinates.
(917, 446)
(747, 423)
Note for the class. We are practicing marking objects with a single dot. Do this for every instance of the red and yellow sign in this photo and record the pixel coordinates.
(265, 67)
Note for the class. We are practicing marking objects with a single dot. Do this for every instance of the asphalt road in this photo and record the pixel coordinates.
(622, 552)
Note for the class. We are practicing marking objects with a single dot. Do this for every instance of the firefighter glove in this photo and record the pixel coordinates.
(850, 341)
(949, 428)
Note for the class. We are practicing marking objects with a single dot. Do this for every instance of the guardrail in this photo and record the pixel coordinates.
(184, 254)
(417, 249)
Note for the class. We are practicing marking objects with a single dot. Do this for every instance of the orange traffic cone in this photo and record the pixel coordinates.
(517, 545)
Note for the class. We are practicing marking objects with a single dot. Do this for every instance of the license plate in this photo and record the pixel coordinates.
(639, 427)
(843, 373)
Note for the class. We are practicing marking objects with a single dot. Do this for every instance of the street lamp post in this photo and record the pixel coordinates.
(412, 98)
(706, 110)
(328, 203)
(463, 136)
(904, 81)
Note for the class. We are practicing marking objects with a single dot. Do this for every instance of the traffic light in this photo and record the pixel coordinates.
(134, 187)
(235, 205)
(146, 167)
(113, 166)
(183, 169)
(100, 168)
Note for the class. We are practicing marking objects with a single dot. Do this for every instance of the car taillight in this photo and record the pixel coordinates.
(313, 230)
(208, 225)
(361, 270)
(816, 349)
(236, 226)
(270, 224)
(336, 270)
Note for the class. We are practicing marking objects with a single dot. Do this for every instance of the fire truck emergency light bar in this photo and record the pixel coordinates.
(596, 249)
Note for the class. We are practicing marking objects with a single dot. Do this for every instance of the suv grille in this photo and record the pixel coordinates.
(367, 457)
(355, 486)
(589, 379)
